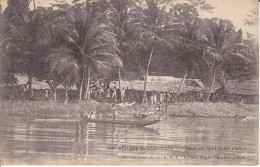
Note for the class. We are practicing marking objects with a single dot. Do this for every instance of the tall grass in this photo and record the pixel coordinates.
(43, 108)
(212, 109)
(72, 109)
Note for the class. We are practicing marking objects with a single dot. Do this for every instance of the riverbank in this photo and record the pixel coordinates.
(220, 109)
(72, 109)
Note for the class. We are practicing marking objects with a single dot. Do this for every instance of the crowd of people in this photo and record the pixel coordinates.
(128, 95)
(103, 90)
(150, 98)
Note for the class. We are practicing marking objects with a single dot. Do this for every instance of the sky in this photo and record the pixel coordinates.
(234, 10)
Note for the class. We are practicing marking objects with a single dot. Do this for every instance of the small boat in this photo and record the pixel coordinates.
(140, 122)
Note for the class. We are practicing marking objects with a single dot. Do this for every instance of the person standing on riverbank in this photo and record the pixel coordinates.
(108, 92)
(114, 93)
(161, 97)
(46, 93)
(154, 97)
(151, 99)
(123, 93)
(167, 97)
(145, 100)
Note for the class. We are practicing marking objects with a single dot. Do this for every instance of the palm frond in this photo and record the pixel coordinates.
(108, 57)
(239, 55)
(169, 45)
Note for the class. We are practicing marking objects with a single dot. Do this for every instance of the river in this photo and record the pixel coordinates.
(174, 140)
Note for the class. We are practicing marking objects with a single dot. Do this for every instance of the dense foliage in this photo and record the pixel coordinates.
(72, 44)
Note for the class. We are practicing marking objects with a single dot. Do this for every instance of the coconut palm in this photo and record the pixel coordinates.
(62, 70)
(222, 44)
(148, 23)
(89, 45)
(241, 69)
(117, 11)
(187, 49)
(26, 42)
(187, 52)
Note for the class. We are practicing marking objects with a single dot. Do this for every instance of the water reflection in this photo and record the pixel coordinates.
(49, 140)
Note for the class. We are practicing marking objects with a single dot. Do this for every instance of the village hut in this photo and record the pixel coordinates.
(189, 92)
(242, 91)
(236, 91)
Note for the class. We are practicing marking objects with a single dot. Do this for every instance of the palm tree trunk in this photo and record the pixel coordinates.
(66, 93)
(87, 95)
(181, 85)
(81, 86)
(78, 87)
(55, 93)
(34, 6)
(30, 86)
(224, 82)
(147, 70)
(212, 81)
(119, 78)
(87, 3)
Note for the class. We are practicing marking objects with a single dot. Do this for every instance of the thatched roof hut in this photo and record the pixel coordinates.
(170, 86)
(23, 80)
(246, 87)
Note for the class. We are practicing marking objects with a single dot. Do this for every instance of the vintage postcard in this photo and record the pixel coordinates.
(129, 82)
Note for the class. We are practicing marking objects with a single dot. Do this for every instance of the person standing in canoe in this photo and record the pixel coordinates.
(92, 114)
(114, 111)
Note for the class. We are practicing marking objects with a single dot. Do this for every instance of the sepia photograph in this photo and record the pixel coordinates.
(129, 82)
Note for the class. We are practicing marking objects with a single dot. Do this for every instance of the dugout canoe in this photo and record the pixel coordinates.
(141, 122)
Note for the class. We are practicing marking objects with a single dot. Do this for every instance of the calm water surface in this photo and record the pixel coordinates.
(56, 140)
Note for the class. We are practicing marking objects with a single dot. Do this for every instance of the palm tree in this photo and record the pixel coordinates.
(7, 76)
(118, 11)
(188, 53)
(149, 26)
(187, 49)
(27, 41)
(87, 44)
(222, 44)
(116, 17)
(62, 69)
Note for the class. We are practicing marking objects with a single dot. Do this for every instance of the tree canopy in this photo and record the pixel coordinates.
(70, 44)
